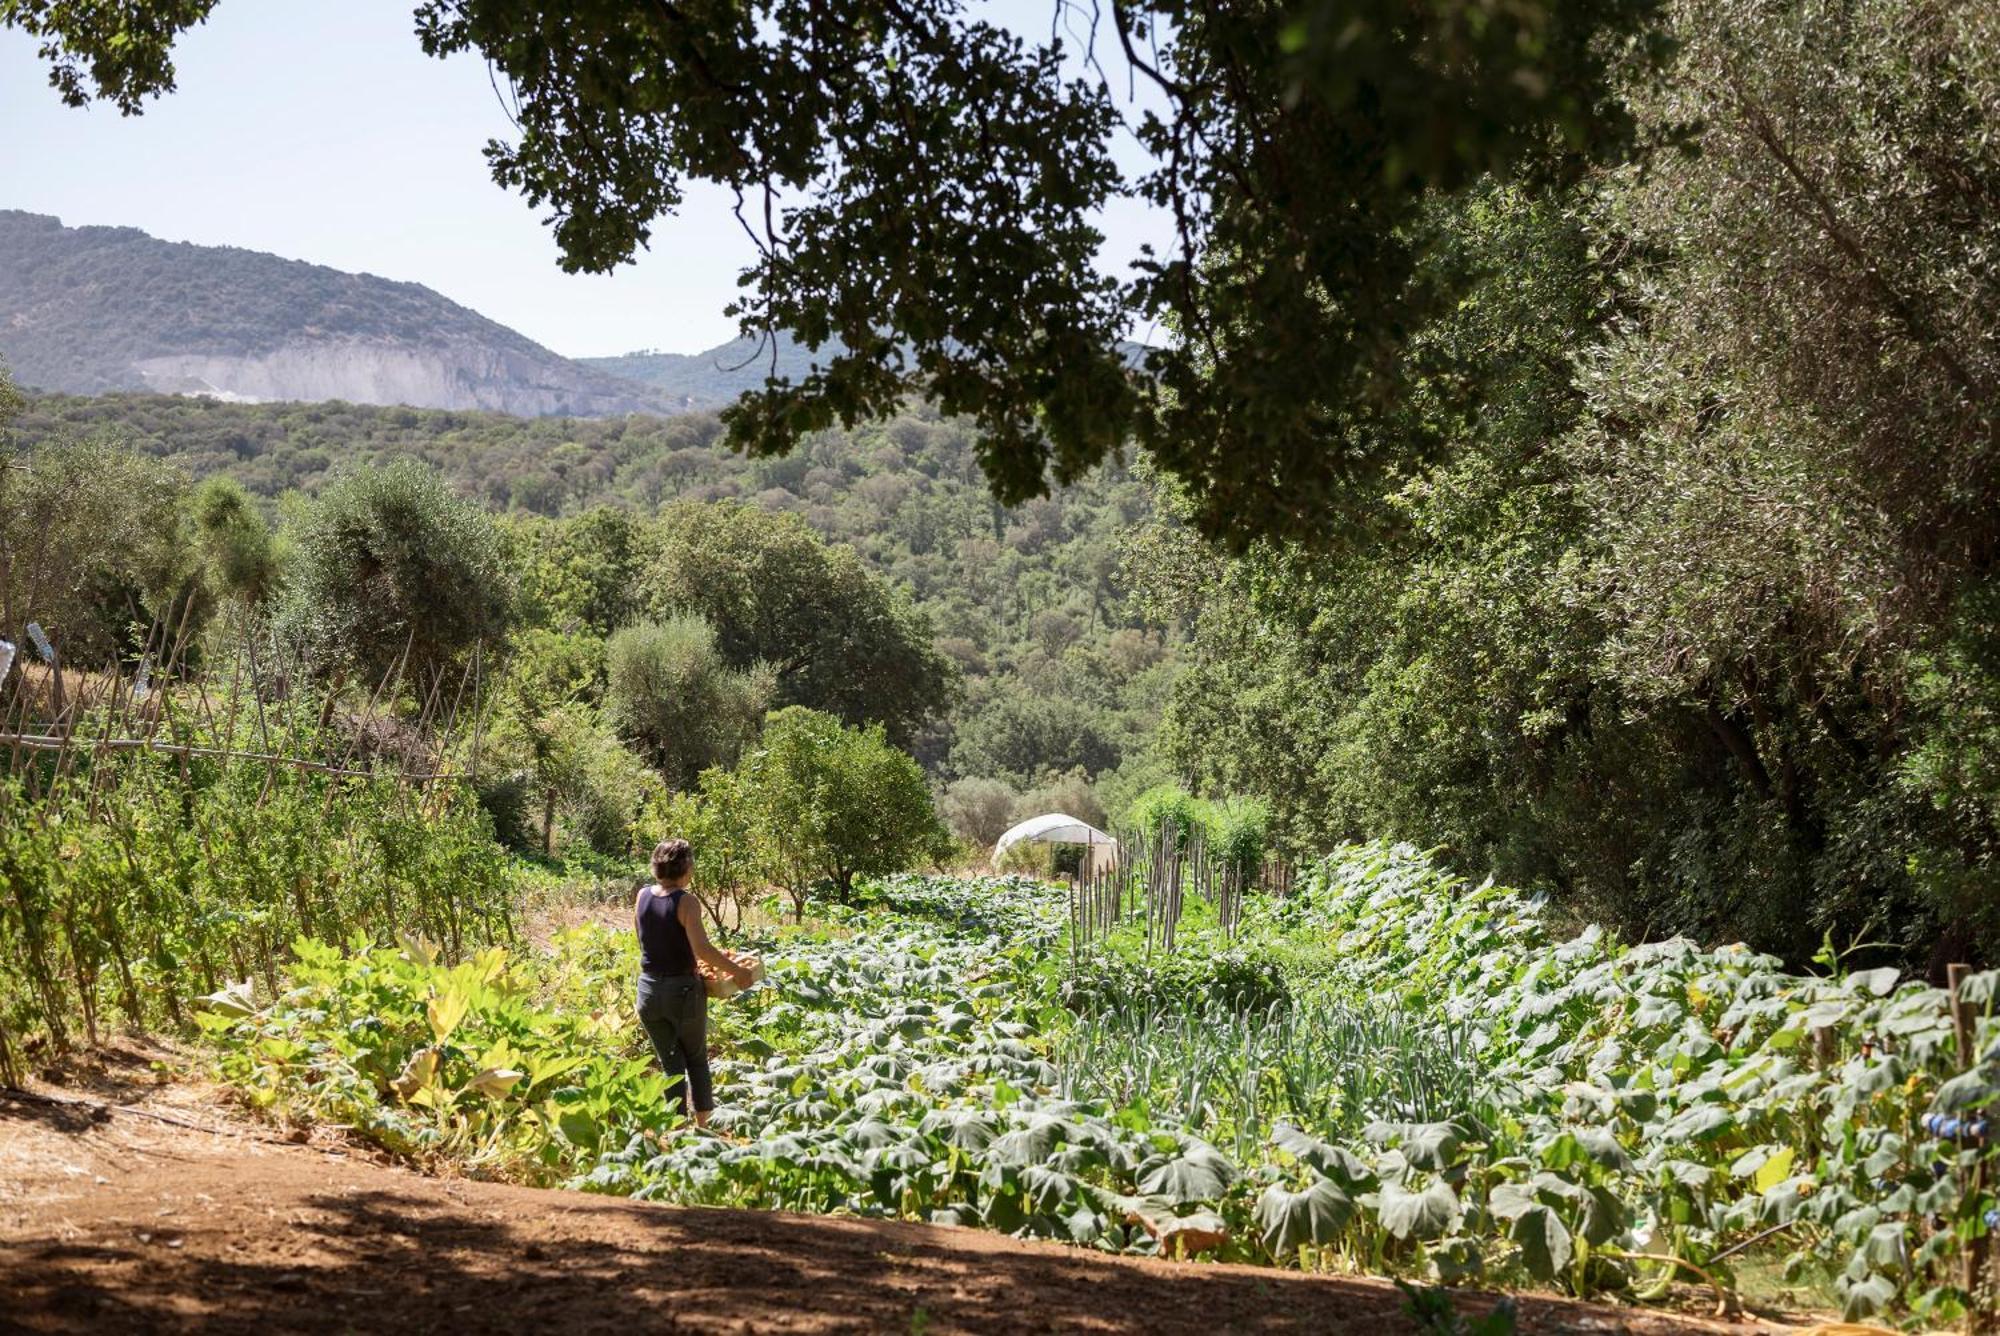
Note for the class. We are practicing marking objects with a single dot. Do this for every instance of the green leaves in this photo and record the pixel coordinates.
(1047, 1189)
(1288, 1219)
(1334, 1162)
(445, 1010)
(1969, 1089)
(831, 803)
(1197, 1172)
(1432, 1146)
(1546, 1247)
(900, 1071)
(967, 1129)
(1428, 1213)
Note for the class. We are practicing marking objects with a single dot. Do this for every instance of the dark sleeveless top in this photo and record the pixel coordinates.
(664, 952)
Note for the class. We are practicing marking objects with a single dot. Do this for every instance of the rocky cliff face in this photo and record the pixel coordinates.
(89, 309)
(387, 371)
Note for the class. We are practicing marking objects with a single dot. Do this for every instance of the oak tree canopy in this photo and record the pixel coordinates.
(923, 186)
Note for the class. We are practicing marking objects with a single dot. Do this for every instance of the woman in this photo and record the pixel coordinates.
(673, 1003)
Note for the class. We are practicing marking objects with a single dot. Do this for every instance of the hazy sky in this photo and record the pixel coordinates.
(322, 132)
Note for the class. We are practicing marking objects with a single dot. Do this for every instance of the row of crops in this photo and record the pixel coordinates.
(132, 882)
(1388, 1070)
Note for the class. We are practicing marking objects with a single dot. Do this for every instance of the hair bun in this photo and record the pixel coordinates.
(672, 859)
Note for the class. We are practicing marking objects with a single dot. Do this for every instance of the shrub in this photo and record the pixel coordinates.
(1238, 831)
(508, 799)
(980, 810)
(1170, 809)
(776, 592)
(1071, 794)
(391, 569)
(732, 858)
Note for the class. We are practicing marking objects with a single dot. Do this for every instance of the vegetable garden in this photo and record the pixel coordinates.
(1387, 1070)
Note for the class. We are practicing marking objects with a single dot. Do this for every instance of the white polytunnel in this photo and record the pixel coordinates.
(1058, 828)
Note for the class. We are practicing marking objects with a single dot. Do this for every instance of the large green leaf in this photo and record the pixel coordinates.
(1428, 1214)
(870, 1134)
(1197, 1173)
(968, 1129)
(1432, 1146)
(1546, 1247)
(1083, 1225)
(1699, 1123)
(1604, 1216)
(1510, 1201)
(1335, 1162)
(1290, 1219)
(1867, 1296)
(1032, 1143)
(1046, 1189)
(1879, 982)
(1603, 1147)
(1968, 1089)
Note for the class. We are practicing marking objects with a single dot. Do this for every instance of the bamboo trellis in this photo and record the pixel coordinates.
(155, 709)
(57, 737)
(1150, 880)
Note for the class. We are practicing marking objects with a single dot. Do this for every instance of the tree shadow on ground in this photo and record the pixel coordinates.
(379, 1260)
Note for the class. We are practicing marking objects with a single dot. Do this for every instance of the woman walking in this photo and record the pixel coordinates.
(673, 1003)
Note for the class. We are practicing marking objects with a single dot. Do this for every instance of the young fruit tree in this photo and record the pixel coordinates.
(834, 803)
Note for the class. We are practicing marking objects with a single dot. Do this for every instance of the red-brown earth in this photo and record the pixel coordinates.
(133, 1203)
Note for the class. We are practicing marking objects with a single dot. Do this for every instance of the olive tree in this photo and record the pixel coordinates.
(669, 693)
(834, 636)
(390, 570)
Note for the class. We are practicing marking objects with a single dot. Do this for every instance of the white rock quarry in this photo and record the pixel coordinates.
(380, 371)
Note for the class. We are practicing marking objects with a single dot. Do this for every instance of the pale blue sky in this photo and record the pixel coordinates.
(322, 132)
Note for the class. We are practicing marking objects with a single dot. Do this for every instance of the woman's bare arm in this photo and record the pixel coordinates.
(697, 935)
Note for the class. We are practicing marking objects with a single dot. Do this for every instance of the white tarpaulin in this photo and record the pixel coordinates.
(1057, 828)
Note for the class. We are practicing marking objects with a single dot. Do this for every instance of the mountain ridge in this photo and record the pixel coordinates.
(715, 376)
(92, 309)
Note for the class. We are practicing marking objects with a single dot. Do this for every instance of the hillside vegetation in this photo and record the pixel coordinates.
(714, 378)
(1058, 671)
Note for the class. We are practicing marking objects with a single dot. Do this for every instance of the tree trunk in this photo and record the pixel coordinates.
(1743, 747)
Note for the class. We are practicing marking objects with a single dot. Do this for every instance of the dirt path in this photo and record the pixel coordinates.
(123, 1223)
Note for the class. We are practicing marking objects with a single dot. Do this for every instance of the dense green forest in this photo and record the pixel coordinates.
(1693, 618)
(1048, 668)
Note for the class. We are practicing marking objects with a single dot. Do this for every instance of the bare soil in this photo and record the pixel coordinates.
(145, 1204)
